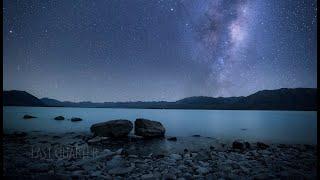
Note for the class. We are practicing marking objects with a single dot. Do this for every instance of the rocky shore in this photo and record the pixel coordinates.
(38, 155)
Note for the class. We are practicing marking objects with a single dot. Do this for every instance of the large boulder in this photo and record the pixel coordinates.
(148, 128)
(113, 128)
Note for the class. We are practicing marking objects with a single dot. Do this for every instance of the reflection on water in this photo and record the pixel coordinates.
(268, 126)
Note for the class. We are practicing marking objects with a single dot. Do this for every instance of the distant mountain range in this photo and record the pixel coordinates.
(280, 99)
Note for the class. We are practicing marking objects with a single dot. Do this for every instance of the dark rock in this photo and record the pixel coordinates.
(59, 118)
(196, 135)
(114, 128)
(28, 116)
(148, 128)
(247, 145)
(261, 145)
(309, 147)
(78, 137)
(124, 153)
(238, 145)
(283, 146)
(172, 139)
(158, 156)
(74, 119)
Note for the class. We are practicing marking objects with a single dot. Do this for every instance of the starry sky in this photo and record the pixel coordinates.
(152, 50)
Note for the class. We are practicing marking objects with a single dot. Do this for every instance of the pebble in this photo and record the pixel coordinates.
(263, 162)
(97, 139)
(175, 156)
(120, 170)
(169, 177)
(202, 170)
(41, 167)
(119, 151)
(147, 176)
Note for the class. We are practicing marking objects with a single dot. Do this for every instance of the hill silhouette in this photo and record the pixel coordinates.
(279, 99)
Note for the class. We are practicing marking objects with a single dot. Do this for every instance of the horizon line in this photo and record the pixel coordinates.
(163, 100)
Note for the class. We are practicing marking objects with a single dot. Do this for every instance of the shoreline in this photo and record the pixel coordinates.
(74, 154)
(298, 110)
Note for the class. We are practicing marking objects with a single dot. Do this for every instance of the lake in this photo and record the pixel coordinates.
(267, 126)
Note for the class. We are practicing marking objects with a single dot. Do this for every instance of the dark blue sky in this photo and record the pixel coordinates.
(127, 50)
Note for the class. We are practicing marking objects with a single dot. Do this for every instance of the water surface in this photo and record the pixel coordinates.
(268, 126)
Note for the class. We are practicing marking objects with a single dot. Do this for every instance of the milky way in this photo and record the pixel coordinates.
(226, 39)
(127, 50)
(222, 29)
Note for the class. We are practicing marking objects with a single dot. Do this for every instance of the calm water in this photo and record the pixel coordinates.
(268, 126)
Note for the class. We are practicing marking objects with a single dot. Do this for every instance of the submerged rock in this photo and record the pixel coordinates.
(196, 135)
(113, 128)
(28, 116)
(59, 118)
(74, 119)
(148, 128)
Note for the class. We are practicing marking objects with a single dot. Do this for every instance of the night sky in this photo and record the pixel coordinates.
(128, 50)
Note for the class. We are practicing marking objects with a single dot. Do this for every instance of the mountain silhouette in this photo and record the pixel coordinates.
(279, 99)
(20, 98)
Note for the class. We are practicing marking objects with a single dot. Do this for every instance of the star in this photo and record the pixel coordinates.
(212, 39)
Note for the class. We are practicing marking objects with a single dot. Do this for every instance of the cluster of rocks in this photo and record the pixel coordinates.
(238, 160)
(59, 118)
(121, 128)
